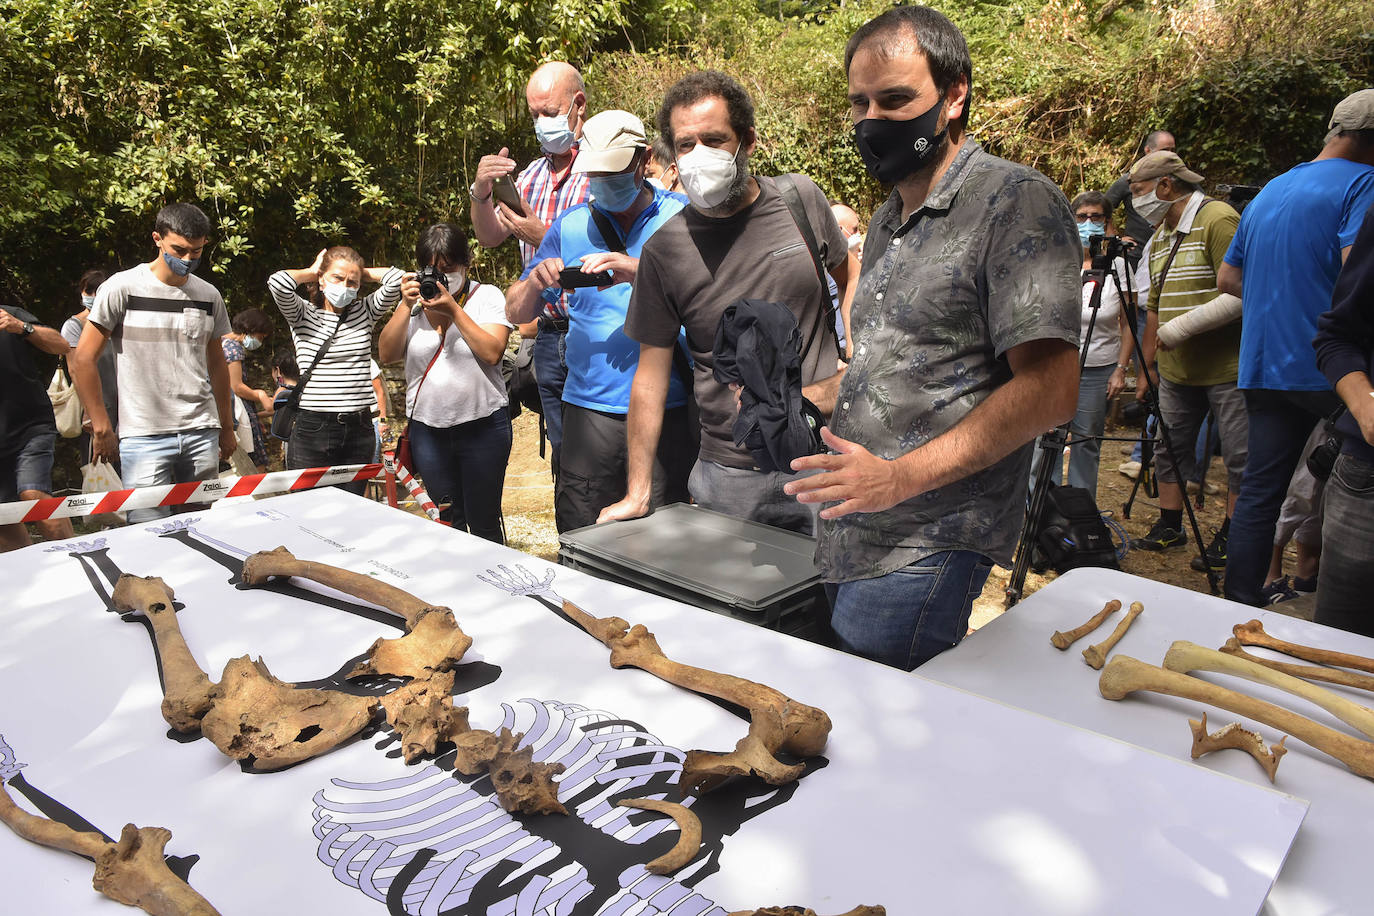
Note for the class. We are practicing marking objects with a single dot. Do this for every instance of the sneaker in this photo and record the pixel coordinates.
(1277, 591)
(1216, 554)
(1305, 586)
(1130, 468)
(1161, 537)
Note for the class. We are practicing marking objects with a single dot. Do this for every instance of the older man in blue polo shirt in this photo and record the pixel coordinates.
(606, 234)
(1283, 264)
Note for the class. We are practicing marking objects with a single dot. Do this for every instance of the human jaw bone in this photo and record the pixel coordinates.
(1096, 656)
(132, 871)
(1310, 672)
(1233, 737)
(1124, 675)
(186, 688)
(1062, 640)
(1184, 656)
(776, 722)
(277, 724)
(1252, 634)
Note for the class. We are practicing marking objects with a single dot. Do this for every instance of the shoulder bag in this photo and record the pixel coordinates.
(284, 417)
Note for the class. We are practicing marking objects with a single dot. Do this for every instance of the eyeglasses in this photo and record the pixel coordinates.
(1090, 217)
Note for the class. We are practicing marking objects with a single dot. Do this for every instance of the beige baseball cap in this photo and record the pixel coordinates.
(609, 142)
(1354, 112)
(1161, 163)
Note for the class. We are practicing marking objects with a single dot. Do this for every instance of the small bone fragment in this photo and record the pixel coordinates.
(131, 871)
(1096, 656)
(807, 911)
(1233, 737)
(689, 833)
(435, 643)
(1310, 672)
(1184, 656)
(1124, 675)
(1252, 634)
(268, 564)
(255, 715)
(1064, 640)
(186, 688)
(776, 722)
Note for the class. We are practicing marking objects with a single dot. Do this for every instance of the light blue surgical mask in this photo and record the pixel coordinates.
(251, 343)
(87, 301)
(615, 193)
(555, 136)
(180, 266)
(1087, 229)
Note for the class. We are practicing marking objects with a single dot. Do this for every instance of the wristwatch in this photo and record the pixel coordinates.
(28, 329)
(472, 192)
(1123, 368)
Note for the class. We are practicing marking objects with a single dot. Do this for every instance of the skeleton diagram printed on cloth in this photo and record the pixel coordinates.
(434, 842)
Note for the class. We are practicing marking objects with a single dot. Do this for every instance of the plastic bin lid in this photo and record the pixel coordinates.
(733, 560)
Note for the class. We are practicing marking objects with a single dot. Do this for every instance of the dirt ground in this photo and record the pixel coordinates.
(528, 508)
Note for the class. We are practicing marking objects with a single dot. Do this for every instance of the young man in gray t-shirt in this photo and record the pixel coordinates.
(737, 240)
(165, 325)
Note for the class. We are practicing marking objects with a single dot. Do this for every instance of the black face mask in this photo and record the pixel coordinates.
(892, 150)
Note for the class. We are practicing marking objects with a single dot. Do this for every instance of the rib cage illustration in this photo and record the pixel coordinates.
(369, 833)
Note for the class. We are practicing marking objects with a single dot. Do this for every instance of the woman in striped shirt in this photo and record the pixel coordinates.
(334, 423)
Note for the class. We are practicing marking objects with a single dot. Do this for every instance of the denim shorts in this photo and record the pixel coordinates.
(30, 468)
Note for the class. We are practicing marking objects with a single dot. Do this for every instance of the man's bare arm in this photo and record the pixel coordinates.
(643, 425)
(1042, 393)
(846, 277)
(219, 384)
(88, 388)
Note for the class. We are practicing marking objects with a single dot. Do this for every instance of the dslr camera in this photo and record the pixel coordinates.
(1105, 249)
(432, 282)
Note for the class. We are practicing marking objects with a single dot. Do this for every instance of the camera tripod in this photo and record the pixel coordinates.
(1052, 444)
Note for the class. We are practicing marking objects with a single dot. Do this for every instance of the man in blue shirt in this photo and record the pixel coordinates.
(606, 234)
(1283, 264)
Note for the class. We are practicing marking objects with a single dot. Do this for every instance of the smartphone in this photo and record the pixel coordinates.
(504, 190)
(574, 278)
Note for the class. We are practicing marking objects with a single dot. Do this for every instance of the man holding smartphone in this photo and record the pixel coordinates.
(589, 258)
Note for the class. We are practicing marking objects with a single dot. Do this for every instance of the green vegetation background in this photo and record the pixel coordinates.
(299, 123)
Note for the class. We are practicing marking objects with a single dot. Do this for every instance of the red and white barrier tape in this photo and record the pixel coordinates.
(203, 491)
(408, 480)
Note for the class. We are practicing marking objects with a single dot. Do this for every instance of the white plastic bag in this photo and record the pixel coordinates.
(66, 406)
(100, 477)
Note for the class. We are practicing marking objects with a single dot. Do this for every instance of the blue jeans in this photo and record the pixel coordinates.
(323, 440)
(465, 466)
(29, 469)
(550, 373)
(1347, 547)
(908, 617)
(156, 461)
(1088, 422)
(1280, 422)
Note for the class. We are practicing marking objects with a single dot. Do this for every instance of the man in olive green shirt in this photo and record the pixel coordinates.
(1200, 373)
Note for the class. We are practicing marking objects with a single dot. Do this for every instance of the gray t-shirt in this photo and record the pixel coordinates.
(694, 267)
(989, 262)
(104, 367)
(159, 334)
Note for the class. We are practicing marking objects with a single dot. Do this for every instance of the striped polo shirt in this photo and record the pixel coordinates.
(344, 383)
(160, 335)
(548, 197)
(1202, 237)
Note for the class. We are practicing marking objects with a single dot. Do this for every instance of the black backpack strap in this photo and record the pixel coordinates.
(611, 237)
(787, 187)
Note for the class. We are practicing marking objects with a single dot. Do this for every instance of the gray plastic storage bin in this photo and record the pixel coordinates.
(766, 576)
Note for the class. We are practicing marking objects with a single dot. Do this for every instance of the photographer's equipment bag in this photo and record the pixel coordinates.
(1072, 533)
(284, 417)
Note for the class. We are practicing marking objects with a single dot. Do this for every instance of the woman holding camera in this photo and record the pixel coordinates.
(460, 433)
(334, 421)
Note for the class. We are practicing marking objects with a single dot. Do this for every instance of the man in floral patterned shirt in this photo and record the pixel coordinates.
(966, 327)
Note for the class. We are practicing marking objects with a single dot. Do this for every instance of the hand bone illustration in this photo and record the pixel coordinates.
(1184, 656)
(131, 871)
(1311, 672)
(1096, 656)
(1062, 640)
(1252, 634)
(776, 722)
(1124, 675)
(1233, 737)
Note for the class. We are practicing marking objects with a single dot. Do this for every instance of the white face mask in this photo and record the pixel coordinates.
(339, 295)
(1150, 208)
(457, 282)
(707, 175)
